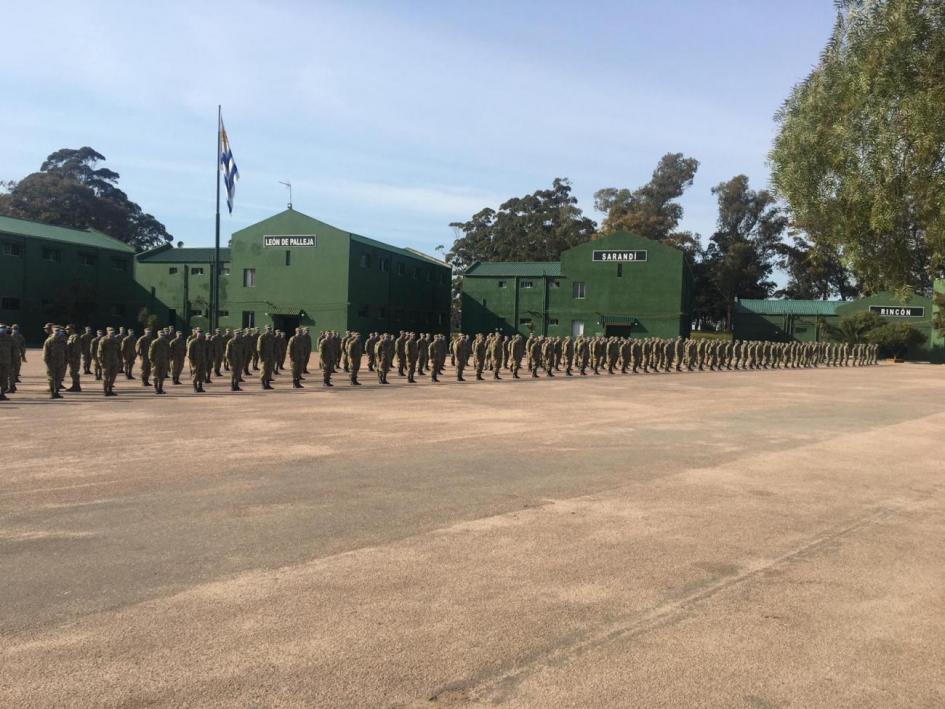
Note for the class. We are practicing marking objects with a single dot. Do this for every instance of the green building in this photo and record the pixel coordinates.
(292, 270)
(53, 274)
(178, 284)
(784, 320)
(621, 284)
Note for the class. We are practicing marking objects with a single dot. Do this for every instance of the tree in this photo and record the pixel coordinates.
(536, 227)
(740, 257)
(69, 190)
(855, 329)
(860, 155)
(652, 210)
(895, 338)
(815, 271)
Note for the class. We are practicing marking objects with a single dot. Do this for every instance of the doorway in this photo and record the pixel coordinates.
(286, 323)
(617, 331)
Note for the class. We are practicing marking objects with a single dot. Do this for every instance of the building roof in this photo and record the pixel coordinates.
(410, 253)
(514, 268)
(79, 237)
(168, 254)
(789, 307)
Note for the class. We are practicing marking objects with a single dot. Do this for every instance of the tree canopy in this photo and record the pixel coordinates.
(536, 227)
(652, 210)
(859, 155)
(70, 190)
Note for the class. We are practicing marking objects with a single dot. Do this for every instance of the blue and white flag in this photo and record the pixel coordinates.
(228, 167)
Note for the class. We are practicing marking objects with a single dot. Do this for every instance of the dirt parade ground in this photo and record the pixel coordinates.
(738, 539)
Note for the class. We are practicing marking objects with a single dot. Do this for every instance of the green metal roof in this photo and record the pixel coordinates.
(79, 237)
(515, 268)
(790, 307)
(410, 253)
(168, 254)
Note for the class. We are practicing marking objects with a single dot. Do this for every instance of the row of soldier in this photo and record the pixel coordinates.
(162, 354)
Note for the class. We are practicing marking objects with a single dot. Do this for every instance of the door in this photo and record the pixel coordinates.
(617, 331)
(286, 323)
(577, 328)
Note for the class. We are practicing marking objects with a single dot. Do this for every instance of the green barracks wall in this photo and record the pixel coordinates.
(505, 301)
(392, 289)
(651, 295)
(176, 284)
(312, 286)
(780, 327)
(90, 283)
(925, 351)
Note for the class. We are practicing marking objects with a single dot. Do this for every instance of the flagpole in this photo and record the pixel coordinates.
(215, 273)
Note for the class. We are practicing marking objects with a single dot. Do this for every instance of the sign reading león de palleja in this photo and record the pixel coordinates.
(620, 255)
(895, 311)
(288, 240)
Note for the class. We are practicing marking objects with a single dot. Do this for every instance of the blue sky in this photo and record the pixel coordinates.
(395, 119)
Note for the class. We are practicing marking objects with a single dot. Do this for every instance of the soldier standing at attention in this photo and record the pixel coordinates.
(411, 352)
(401, 353)
(383, 353)
(54, 356)
(95, 359)
(423, 353)
(326, 351)
(370, 345)
(345, 365)
(516, 353)
(178, 353)
(479, 354)
(85, 340)
(297, 357)
(128, 353)
(497, 347)
(355, 352)
(197, 354)
(548, 356)
(143, 349)
(307, 338)
(235, 354)
(534, 355)
(21, 346)
(437, 356)
(462, 351)
(159, 352)
(109, 355)
(217, 348)
(265, 346)
(73, 357)
(7, 352)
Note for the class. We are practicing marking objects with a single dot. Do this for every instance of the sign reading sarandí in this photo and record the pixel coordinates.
(288, 240)
(896, 311)
(620, 255)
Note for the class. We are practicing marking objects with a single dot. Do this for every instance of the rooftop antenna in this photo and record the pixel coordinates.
(289, 185)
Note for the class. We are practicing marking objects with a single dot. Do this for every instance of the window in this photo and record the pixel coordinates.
(416, 273)
(119, 264)
(527, 284)
(554, 284)
(577, 328)
(196, 271)
(619, 270)
(364, 311)
(288, 258)
(553, 322)
(117, 309)
(249, 278)
(365, 260)
(9, 303)
(87, 259)
(429, 276)
(524, 321)
(249, 318)
(11, 249)
(53, 255)
(578, 290)
(383, 264)
(401, 269)
(223, 313)
(225, 271)
(172, 270)
(501, 284)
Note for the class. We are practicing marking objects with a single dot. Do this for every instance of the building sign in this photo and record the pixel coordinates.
(620, 256)
(289, 240)
(897, 311)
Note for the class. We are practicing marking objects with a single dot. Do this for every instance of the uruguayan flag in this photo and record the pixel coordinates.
(228, 167)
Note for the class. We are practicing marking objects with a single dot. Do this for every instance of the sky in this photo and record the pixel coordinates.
(393, 119)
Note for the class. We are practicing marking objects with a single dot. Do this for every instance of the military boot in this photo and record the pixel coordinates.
(296, 384)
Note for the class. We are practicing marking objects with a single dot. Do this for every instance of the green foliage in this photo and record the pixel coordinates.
(855, 329)
(536, 227)
(939, 318)
(895, 338)
(69, 190)
(741, 255)
(652, 210)
(815, 271)
(859, 156)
